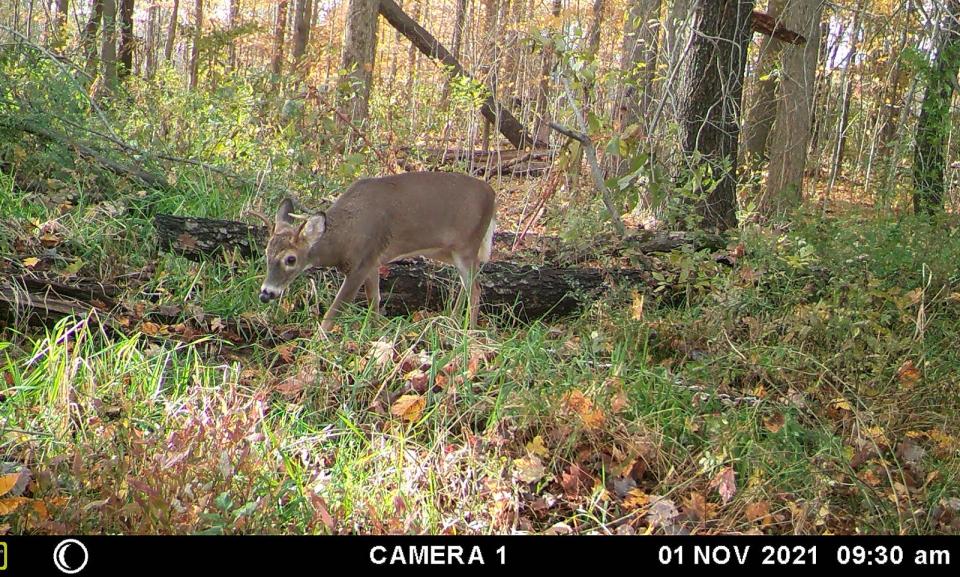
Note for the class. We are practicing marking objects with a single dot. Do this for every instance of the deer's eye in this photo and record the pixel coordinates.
(290, 260)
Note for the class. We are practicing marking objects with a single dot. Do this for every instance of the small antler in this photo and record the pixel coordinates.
(261, 217)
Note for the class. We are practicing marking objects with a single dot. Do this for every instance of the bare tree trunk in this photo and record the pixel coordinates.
(459, 22)
(301, 30)
(791, 132)
(195, 48)
(171, 32)
(542, 130)
(108, 48)
(279, 32)
(846, 84)
(125, 53)
(231, 23)
(359, 54)
(709, 93)
(762, 110)
(150, 47)
(88, 38)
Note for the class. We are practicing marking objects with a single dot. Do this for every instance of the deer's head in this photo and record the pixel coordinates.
(288, 249)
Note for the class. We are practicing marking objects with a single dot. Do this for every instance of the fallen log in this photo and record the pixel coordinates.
(198, 238)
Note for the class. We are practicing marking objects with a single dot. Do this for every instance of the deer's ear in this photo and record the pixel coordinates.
(314, 227)
(284, 218)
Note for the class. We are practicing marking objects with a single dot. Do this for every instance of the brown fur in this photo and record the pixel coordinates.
(444, 216)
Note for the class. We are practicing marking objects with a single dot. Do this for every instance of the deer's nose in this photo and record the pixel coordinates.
(267, 295)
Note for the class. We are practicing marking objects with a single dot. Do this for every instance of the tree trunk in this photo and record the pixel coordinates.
(762, 110)
(846, 85)
(232, 16)
(58, 33)
(171, 32)
(150, 45)
(542, 126)
(125, 53)
(359, 56)
(459, 22)
(301, 30)
(788, 143)
(508, 125)
(933, 126)
(88, 38)
(709, 94)
(279, 32)
(108, 47)
(195, 48)
(638, 61)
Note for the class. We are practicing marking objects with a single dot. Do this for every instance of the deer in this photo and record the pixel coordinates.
(443, 216)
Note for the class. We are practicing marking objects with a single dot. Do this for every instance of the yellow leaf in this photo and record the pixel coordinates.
(529, 469)
(842, 404)
(636, 498)
(11, 504)
(536, 447)
(408, 407)
(30, 262)
(636, 308)
(7, 482)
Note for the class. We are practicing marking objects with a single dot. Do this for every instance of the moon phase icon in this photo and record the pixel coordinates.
(60, 556)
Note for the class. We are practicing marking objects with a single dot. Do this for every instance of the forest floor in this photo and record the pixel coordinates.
(808, 384)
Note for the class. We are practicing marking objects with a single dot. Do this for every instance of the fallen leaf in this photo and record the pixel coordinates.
(529, 469)
(187, 240)
(698, 509)
(774, 422)
(636, 306)
(758, 513)
(11, 504)
(725, 483)
(636, 498)
(30, 262)
(381, 352)
(7, 482)
(662, 512)
(908, 374)
(408, 407)
(841, 404)
(536, 447)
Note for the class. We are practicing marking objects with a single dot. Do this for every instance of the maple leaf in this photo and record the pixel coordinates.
(7, 482)
(10, 504)
(381, 352)
(662, 512)
(31, 262)
(408, 407)
(187, 240)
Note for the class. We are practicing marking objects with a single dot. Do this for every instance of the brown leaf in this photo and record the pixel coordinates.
(662, 512)
(408, 407)
(725, 483)
(698, 509)
(381, 352)
(150, 329)
(774, 422)
(758, 513)
(636, 499)
(908, 374)
(187, 240)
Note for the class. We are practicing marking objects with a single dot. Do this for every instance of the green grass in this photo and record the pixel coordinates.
(755, 369)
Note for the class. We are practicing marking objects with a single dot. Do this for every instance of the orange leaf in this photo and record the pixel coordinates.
(11, 504)
(408, 407)
(758, 513)
(8, 481)
(908, 374)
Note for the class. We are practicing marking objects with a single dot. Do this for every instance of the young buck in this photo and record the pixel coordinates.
(440, 215)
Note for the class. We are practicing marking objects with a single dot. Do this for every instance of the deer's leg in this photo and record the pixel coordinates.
(372, 287)
(467, 267)
(348, 290)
